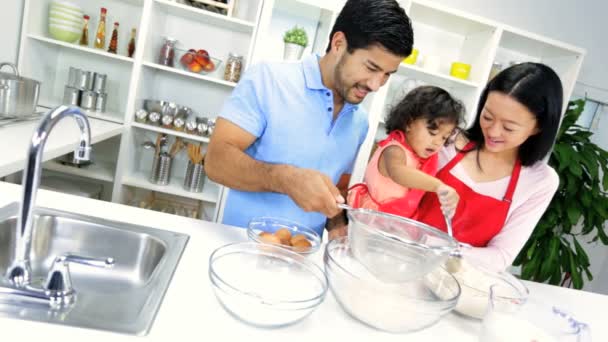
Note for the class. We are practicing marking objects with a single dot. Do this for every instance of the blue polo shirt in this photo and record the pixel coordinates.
(290, 111)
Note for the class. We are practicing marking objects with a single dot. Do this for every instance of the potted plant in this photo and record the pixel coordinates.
(580, 207)
(295, 42)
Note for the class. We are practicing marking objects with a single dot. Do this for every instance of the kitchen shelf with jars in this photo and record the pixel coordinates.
(112, 80)
(460, 51)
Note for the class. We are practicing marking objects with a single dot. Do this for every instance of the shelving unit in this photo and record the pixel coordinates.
(124, 164)
(254, 30)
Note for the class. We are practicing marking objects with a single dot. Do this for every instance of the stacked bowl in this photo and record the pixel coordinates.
(65, 21)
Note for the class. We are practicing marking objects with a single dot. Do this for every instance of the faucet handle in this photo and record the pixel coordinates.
(59, 282)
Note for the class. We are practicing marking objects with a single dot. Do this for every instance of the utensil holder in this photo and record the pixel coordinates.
(161, 169)
(195, 177)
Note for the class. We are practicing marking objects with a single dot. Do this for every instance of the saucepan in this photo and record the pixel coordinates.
(18, 95)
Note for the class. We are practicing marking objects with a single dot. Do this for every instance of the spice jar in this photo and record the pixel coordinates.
(234, 65)
(167, 52)
(141, 115)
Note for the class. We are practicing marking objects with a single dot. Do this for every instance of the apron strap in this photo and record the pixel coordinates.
(467, 148)
(513, 182)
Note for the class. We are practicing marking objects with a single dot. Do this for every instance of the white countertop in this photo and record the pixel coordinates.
(14, 141)
(190, 311)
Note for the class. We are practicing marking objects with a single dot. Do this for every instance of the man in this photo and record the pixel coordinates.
(290, 131)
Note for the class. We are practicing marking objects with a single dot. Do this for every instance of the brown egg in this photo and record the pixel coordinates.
(283, 234)
(270, 238)
(302, 246)
(297, 238)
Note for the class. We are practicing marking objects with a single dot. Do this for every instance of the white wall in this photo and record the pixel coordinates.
(10, 29)
(580, 23)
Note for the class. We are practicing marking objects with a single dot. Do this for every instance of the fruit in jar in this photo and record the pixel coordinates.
(195, 67)
(209, 67)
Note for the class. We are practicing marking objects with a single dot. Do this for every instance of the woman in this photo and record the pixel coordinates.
(497, 166)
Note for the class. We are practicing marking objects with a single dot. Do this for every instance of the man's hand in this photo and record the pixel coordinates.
(311, 190)
(448, 198)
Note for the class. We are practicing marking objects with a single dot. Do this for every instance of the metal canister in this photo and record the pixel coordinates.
(202, 126)
(73, 76)
(99, 83)
(100, 104)
(71, 96)
(88, 100)
(194, 178)
(161, 169)
(85, 80)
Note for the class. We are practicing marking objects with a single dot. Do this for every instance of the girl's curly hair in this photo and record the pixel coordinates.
(428, 102)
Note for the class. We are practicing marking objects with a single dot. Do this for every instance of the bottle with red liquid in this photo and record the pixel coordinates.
(113, 47)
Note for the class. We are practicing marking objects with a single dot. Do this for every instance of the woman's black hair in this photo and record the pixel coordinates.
(368, 22)
(538, 88)
(432, 103)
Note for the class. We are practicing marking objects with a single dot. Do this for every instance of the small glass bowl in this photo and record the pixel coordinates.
(264, 285)
(476, 279)
(194, 66)
(271, 225)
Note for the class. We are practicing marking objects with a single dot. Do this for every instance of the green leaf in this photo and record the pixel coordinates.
(576, 169)
(574, 272)
(581, 255)
(550, 261)
(574, 213)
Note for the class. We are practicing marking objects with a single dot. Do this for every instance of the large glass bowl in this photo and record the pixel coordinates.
(394, 308)
(270, 225)
(265, 285)
(476, 279)
(411, 249)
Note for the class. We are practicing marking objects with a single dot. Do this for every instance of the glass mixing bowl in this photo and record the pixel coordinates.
(411, 248)
(398, 308)
(265, 285)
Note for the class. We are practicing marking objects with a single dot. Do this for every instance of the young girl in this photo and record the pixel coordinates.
(403, 166)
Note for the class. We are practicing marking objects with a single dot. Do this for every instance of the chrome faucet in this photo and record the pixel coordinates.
(19, 274)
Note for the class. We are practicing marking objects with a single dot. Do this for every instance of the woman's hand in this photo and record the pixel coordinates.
(448, 198)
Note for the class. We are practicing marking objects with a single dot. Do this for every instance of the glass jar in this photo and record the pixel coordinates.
(167, 52)
(234, 65)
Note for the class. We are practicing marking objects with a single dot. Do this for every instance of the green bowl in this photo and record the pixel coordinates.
(63, 33)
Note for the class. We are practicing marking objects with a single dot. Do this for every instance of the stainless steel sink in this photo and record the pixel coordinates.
(124, 298)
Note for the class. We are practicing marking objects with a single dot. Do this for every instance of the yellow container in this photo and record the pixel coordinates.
(460, 70)
(411, 59)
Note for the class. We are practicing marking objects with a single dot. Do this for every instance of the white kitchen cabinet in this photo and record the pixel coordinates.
(122, 162)
(255, 31)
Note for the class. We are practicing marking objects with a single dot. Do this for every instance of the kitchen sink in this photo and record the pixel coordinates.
(124, 298)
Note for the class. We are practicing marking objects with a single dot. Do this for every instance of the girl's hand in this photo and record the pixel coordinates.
(448, 198)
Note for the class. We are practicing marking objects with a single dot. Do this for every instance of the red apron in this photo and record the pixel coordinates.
(407, 205)
(478, 218)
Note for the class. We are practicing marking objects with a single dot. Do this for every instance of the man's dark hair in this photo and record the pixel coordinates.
(369, 22)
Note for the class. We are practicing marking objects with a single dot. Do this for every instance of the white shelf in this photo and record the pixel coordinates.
(106, 116)
(98, 170)
(170, 132)
(175, 187)
(435, 78)
(80, 48)
(198, 14)
(189, 74)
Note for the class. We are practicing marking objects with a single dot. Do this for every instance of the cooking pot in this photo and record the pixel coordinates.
(18, 95)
